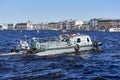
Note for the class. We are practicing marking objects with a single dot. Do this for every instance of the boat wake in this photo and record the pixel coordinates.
(11, 54)
(25, 54)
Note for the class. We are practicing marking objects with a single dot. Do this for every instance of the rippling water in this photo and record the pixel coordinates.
(104, 65)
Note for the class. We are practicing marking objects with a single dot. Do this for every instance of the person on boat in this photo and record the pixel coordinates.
(13, 49)
(35, 45)
(65, 38)
(96, 45)
(24, 45)
(76, 47)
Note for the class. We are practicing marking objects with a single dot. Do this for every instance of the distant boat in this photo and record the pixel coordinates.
(114, 29)
(55, 29)
(63, 30)
(102, 30)
(37, 31)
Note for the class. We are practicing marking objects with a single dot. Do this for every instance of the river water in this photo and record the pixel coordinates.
(103, 65)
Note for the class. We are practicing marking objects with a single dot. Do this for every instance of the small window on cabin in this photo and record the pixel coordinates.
(78, 40)
(88, 40)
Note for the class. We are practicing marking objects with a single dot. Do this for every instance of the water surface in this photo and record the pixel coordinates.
(104, 65)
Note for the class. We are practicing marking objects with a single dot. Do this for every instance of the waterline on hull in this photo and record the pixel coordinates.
(50, 52)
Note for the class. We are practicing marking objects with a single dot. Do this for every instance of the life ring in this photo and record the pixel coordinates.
(37, 45)
(76, 47)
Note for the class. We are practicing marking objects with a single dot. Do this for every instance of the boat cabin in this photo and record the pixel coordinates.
(81, 40)
(74, 39)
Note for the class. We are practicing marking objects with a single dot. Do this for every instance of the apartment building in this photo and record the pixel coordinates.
(53, 25)
(11, 26)
(70, 24)
(102, 23)
(24, 26)
(40, 26)
(108, 23)
(4, 26)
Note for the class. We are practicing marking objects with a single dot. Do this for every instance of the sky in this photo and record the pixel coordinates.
(13, 11)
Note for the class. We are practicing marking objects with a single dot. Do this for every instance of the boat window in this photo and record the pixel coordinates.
(78, 40)
(88, 40)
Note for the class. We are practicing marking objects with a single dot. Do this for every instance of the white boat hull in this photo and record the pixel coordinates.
(51, 52)
(66, 44)
(114, 30)
(61, 51)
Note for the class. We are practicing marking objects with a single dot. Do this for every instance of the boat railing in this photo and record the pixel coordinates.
(47, 42)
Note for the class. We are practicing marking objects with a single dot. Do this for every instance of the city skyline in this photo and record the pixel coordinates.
(13, 11)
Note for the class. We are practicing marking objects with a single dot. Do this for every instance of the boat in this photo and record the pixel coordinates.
(114, 29)
(65, 43)
(63, 30)
(102, 30)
